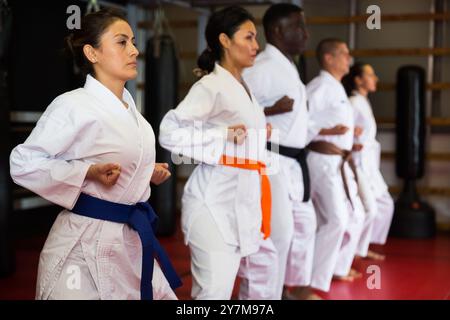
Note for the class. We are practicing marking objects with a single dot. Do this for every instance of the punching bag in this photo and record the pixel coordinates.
(7, 261)
(413, 218)
(161, 85)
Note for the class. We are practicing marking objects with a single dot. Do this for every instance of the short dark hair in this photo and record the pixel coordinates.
(225, 21)
(277, 12)
(93, 25)
(327, 46)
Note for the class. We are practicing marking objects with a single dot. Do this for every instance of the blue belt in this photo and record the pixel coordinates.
(141, 218)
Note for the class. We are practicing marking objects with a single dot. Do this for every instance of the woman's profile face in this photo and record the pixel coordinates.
(243, 46)
(369, 79)
(116, 56)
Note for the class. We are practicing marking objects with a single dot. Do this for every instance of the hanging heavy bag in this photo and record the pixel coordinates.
(410, 123)
(161, 78)
(7, 261)
(413, 218)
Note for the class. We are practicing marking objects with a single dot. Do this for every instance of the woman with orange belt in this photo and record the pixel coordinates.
(226, 201)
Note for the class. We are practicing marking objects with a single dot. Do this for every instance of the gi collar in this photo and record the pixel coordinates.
(106, 97)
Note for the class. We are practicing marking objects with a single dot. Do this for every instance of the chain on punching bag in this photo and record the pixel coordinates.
(413, 217)
(161, 78)
(7, 262)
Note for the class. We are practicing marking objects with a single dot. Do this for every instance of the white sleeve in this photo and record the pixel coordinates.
(359, 120)
(259, 84)
(316, 114)
(186, 130)
(48, 162)
(324, 112)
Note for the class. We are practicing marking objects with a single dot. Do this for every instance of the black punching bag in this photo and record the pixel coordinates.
(413, 218)
(161, 85)
(7, 261)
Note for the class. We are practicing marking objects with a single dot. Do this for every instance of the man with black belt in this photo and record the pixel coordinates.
(340, 214)
(276, 84)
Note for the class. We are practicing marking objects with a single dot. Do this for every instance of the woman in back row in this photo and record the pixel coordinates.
(379, 205)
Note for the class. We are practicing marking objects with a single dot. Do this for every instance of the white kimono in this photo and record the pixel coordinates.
(339, 226)
(368, 162)
(85, 258)
(293, 221)
(218, 197)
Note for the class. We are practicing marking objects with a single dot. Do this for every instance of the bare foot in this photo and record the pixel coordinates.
(287, 295)
(355, 274)
(347, 278)
(296, 293)
(300, 293)
(314, 296)
(375, 256)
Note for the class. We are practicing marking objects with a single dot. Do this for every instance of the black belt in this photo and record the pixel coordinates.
(300, 156)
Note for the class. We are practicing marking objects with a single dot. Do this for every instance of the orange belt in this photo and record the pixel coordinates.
(266, 198)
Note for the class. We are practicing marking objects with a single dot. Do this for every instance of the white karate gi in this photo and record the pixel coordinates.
(339, 226)
(368, 161)
(221, 205)
(293, 221)
(85, 258)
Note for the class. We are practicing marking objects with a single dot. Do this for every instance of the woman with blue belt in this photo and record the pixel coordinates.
(92, 153)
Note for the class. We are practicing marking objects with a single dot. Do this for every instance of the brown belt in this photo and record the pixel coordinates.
(331, 149)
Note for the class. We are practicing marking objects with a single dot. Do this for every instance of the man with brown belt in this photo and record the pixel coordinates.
(339, 210)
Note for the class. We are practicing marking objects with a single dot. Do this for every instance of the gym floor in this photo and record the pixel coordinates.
(413, 270)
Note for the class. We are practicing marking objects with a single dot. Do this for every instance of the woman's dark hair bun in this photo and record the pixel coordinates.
(227, 21)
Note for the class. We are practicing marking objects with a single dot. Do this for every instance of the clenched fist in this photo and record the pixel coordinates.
(285, 104)
(104, 173)
(358, 131)
(237, 134)
(160, 174)
(335, 131)
(268, 130)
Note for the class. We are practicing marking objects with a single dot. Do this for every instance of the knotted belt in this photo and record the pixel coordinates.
(141, 218)
(266, 199)
(300, 156)
(329, 148)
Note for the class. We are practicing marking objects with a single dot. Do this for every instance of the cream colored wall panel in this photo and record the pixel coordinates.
(396, 6)
(393, 35)
(326, 7)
